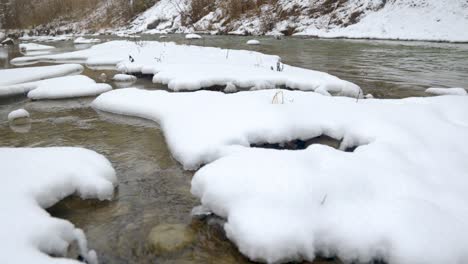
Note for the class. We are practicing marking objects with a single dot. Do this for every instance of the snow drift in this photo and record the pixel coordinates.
(400, 196)
(34, 179)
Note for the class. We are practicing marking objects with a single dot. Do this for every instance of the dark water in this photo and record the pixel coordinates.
(153, 188)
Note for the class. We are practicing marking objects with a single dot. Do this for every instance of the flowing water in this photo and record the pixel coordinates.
(153, 188)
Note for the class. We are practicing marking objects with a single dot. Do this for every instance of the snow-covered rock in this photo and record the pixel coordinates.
(8, 41)
(65, 87)
(124, 78)
(400, 196)
(81, 40)
(11, 77)
(34, 47)
(253, 42)
(35, 179)
(446, 91)
(184, 67)
(18, 114)
(193, 36)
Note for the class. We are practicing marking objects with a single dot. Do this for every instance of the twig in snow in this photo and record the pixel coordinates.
(324, 199)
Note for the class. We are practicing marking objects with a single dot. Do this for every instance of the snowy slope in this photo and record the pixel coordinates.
(435, 20)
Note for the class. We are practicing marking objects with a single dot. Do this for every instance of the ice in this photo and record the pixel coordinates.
(35, 179)
(17, 114)
(184, 67)
(11, 78)
(25, 47)
(47, 38)
(399, 197)
(66, 87)
(81, 40)
(446, 91)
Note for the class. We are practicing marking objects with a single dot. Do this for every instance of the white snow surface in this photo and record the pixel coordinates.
(18, 80)
(34, 47)
(35, 179)
(64, 87)
(46, 38)
(17, 114)
(82, 40)
(446, 91)
(400, 196)
(184, 67)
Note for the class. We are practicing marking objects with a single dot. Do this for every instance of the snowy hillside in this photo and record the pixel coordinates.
(436, 20)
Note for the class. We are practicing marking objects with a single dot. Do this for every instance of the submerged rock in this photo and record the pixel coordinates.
(166, 238)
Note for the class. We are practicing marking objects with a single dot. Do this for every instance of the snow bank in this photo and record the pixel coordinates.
(81, 40)
(47, 38)
(34, 47)
(253, 42)
(17, 114)
(191, 67)
(33, 179)
(193, 36)
(65, 87)
(446, 91)
(124, 78)
(11, 77)
(400, 196)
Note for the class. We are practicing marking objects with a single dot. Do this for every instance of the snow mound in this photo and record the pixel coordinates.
(34, 47)
(446, 91)
(124, 78)
(34, 179)
(400, 196)
(17, 114)
(31, 74)
(193, 36)
(81, 40)
(192, 68)
(253, 42)
(66, 87)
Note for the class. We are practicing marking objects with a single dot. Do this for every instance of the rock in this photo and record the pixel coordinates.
(166, 238)
(103, 77)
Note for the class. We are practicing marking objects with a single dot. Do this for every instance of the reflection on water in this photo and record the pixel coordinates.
(153, 189)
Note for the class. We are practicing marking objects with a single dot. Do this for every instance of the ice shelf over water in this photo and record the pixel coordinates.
(184, 67)
(400, 196)
(35, 179)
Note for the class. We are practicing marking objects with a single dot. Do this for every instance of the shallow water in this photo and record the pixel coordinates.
(153, 188)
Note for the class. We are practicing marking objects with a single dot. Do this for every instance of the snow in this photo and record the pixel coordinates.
(37, 178)
(17, 114)
(253, 42)
(46, 38)
(34, 47)
(400, 196)
(64, 87)
(12, 77)
(184, 67)
(446, 91)
(124, 78)
(81, 40)
(193, 36)
(433, 20)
